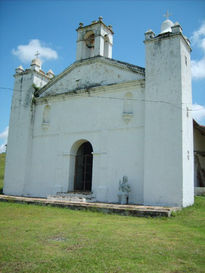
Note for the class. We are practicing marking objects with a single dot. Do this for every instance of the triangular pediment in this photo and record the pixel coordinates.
(93, 72)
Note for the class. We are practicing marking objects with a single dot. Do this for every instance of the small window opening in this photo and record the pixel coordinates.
(106, 46)
(128, 103)
(46, 115)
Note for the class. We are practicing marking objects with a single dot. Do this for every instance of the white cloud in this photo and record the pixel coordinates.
(198, 35)
(198, 66)
(27, 52)
(2, 148)
(198, 69)
(4, 136)
(198, 113)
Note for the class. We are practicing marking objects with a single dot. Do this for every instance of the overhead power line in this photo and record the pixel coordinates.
(116, 98)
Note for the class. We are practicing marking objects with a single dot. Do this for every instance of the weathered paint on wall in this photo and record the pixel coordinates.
(22, 118)
(97, 118)
(168, 167)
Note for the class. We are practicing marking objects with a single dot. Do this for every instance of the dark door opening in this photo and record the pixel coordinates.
(83, 168)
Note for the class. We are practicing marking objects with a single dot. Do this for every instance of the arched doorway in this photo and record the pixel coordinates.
(83, 168)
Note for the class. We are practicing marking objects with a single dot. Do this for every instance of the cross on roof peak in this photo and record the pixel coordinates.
(37, 54)
(167, 14)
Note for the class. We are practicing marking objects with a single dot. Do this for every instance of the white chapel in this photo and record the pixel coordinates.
(101, 119)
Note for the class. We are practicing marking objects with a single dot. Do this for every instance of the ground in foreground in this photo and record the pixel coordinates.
(49, 239)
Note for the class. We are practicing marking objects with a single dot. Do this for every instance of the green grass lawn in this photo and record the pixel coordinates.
(48, 239)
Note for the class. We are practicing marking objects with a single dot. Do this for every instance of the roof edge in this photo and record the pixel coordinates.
(92, 89)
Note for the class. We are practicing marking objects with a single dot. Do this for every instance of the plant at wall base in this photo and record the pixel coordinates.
(35, 87)
(2, 165)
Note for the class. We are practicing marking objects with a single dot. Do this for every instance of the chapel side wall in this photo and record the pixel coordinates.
(199, 146)
(117, 145)
(187, 125)
(199, 141)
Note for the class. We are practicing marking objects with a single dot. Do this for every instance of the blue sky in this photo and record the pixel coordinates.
(51, 27)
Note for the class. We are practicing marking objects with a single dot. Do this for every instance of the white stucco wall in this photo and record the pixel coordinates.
(117, 145)
(19, 145)
(187, 125)
(168, 176)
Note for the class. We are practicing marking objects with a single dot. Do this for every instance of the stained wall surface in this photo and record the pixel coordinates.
(116, 138)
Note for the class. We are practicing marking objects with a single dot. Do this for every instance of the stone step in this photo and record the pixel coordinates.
(73, 197)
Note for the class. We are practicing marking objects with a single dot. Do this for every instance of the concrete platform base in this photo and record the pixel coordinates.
(127, 210)
(199, 191)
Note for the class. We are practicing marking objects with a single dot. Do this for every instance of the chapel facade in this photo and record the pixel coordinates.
(102, 119)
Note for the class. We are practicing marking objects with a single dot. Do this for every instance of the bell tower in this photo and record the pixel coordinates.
(168, 166)
(94, 40)
(19, 149)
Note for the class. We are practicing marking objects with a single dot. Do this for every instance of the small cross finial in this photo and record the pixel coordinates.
(167, 14)
(37, 54)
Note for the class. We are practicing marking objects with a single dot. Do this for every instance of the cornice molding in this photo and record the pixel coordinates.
(88, 91)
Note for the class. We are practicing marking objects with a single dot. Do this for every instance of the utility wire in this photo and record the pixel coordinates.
(114, 98)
